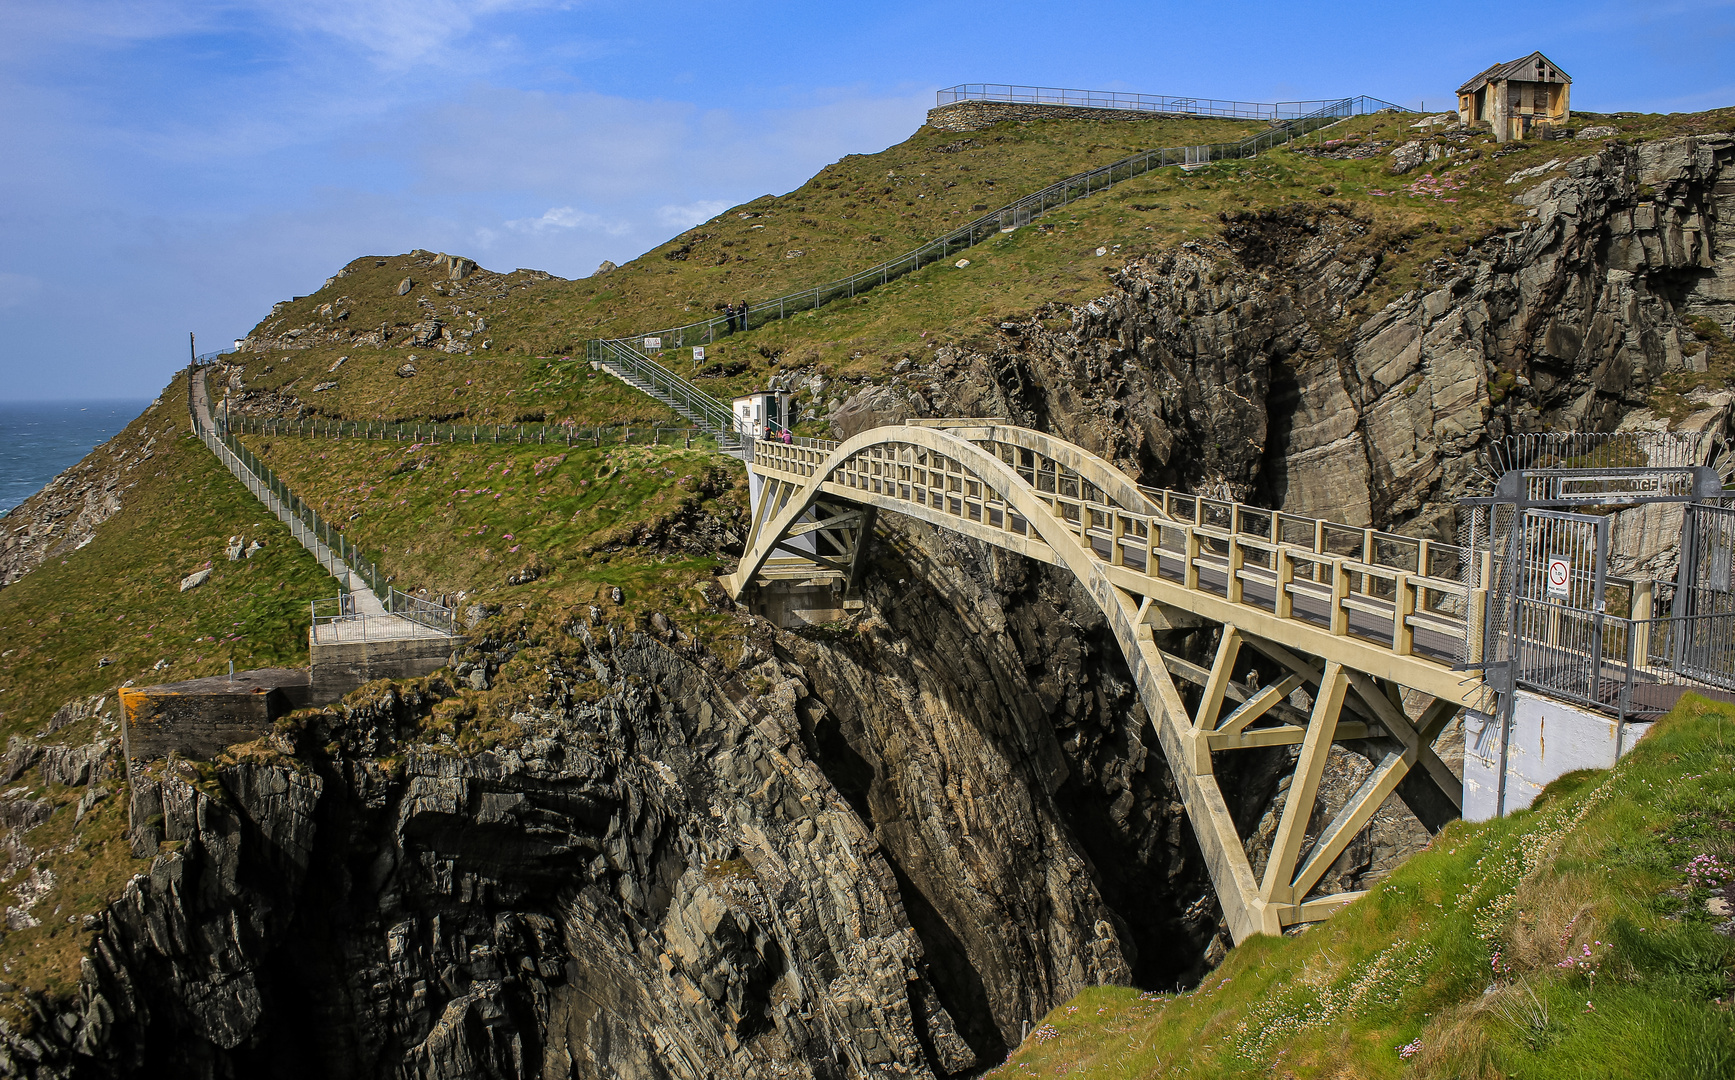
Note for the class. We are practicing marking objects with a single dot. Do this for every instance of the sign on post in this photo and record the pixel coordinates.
(698, 354)
(652, 344)
(1559, 576)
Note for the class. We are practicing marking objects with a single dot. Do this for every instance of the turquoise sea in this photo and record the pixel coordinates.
(38, 439)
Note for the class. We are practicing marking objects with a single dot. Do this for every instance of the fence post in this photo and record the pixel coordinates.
(1644, 599)
(1403, 606)
(1339, 590)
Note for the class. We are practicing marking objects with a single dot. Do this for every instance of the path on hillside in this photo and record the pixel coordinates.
(1021, 211)
(361, 614)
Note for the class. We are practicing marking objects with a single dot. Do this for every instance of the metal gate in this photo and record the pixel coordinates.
(1704, 624)
(1553, 583)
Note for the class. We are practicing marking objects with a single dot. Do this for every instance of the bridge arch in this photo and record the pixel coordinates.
(986, 480)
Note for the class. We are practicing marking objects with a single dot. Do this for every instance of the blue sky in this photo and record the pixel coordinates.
(174, 166)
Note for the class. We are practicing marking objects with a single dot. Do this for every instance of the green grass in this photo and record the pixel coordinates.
(460, 517)
(119, 597)
(835, 220)
(1563, 941)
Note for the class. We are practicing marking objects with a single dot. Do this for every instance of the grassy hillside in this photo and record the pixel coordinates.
(118, 599)
(451, 518)
(1574, 940)
(539, 534)
(866, 208)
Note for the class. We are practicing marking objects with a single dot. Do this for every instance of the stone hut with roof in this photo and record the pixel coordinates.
(1517, 98)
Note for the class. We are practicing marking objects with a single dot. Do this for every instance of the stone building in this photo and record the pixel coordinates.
(1517, 98)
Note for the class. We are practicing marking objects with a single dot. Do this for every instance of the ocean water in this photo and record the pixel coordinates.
(38, 439)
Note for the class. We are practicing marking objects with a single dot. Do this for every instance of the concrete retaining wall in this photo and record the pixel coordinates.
(976, 115)
(340, 668)
(1549, 740)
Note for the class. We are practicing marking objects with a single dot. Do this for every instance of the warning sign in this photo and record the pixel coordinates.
(1559, 576)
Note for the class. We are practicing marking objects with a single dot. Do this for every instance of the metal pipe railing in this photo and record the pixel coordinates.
(629, 353)
(1114, 99)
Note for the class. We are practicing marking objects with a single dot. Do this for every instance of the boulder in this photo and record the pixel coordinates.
(606, 267)
(196, 579)
(1408, 156)
(406, 371)
(874, 406)
(405, 286)
(1596, 131)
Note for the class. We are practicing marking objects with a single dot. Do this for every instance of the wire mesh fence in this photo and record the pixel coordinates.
(333, 550)
(1013, 215)
(441, 434)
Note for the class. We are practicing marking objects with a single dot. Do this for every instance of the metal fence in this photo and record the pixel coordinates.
(428, 433)
(1011, 216)
(1112, 99)
(346, 618)
(1632, 668)
(619, 358)
(328, 545)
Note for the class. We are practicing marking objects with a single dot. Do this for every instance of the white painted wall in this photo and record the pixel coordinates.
(1549, 740)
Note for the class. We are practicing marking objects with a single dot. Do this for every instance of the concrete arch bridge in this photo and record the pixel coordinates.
(1364, 621)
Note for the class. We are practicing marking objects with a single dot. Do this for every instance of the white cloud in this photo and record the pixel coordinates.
(397, 33)
(565, 217)
(693, 213)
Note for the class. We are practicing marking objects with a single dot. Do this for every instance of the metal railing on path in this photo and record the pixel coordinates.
(1114, 99)
(334, 551)
(628, 358)
(441, 434)
(1017, 213)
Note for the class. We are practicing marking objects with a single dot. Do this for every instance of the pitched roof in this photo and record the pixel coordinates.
(1522, 69)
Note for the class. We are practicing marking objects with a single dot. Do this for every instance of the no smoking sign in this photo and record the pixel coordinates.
(1559, 576)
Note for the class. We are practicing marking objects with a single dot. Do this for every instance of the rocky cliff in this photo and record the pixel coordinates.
(832, 854)
(876, 850)
(1228, 363)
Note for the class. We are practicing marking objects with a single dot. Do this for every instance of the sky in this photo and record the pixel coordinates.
(174, 166)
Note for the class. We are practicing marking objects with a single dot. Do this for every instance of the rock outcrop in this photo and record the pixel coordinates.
(64, 515)
(1222, 364)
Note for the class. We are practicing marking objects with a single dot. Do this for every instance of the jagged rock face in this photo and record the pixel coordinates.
(1209, 367)
(872, 855)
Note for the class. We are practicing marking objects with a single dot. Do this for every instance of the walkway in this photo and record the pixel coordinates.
(365, 617)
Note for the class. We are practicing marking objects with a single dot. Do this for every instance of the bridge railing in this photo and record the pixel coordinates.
(1349, 580)
(1628, 667)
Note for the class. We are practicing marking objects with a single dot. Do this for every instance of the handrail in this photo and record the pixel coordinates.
(629, 353)
(1017, 213)
(329, 546)
(1114, 99)
(696, 405)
